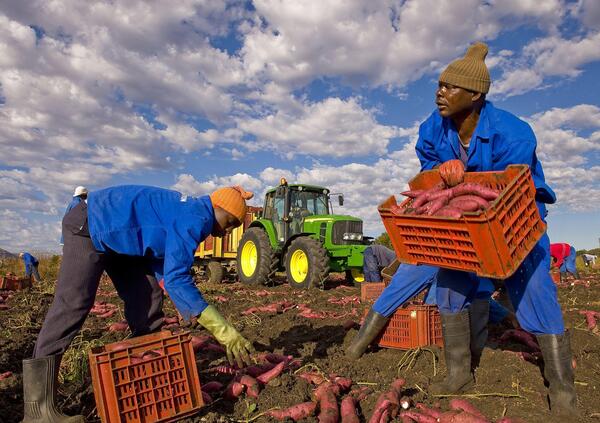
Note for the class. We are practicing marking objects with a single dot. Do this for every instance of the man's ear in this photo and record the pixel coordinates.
(475, 97)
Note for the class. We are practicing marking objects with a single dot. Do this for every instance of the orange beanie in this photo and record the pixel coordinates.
(232, 200)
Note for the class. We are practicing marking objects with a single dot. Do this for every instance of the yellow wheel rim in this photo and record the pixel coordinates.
(249, 258)
(299, 266)
(357, 275)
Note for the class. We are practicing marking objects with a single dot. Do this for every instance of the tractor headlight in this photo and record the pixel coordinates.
(350, 236)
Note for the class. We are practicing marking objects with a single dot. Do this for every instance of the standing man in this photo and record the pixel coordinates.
(564, 256)
(467, 129)
(136, 234)
(31, 266)
(375, 258)
(80, 194)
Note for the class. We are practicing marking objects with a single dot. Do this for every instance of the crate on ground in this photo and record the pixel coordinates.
(413, 326)
(370, 291)
(14, 283)
(491, 243)
(153, 379)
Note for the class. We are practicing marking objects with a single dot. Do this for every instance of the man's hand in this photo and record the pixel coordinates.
(452, 172)
(237, 347)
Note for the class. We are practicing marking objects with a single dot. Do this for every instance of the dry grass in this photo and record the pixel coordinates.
(49, 265)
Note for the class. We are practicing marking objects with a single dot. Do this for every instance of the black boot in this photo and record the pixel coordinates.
(40, 377)
(479, 314)
(558, 371)
(457, 338)
(374, 323)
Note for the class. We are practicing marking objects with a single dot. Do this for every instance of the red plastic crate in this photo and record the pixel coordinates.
(370, 291)
(416, 325)
(14, 283)
(491, 243)
(163, 388)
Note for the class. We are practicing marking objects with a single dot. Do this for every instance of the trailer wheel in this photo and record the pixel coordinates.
(214, 272)
(306, 263)
(256, 261)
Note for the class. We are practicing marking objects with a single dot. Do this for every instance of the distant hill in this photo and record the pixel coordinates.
(6, 254)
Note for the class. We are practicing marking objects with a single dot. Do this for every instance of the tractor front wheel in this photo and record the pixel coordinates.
(255, 258)
(306, 263)
(354, 277)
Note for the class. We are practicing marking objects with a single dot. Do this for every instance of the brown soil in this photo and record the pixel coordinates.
(316, 341)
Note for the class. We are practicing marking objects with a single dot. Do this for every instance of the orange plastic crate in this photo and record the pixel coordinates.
(163, 388)
(14, 283)
(413, 326)
(370, 291)
(491, 243)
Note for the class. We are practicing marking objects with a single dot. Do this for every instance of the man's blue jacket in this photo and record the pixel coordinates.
(160, 224)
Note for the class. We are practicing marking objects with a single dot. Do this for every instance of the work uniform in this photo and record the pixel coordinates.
(375, 258)
(565, 256)
(500, 139)
(74, 201)
(135, 234)
(31, 266)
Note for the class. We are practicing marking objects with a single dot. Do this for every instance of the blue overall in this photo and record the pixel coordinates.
(410, 280)
(73, 203)
(499, 140)
(375, 258)
(159, 224)
(30, 262)
(569, 263)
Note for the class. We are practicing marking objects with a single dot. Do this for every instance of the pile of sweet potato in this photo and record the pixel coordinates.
(447, 202)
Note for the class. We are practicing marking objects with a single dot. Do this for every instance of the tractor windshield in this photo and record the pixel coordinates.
(307, 203)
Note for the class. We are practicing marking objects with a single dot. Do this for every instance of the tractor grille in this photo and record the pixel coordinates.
(346, 226)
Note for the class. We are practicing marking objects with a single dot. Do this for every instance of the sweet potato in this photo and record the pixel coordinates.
(413, 193)
(436, 204)
(269, 375)
(433, 412)
(464, 405)
(482, 202)
(398, 384)
(118, 327)
(5, 375)
(328, 407)
(465, 205)
(312, 377)
(343, 382)
(590, 318)
(457, 416)
(212, 386)
(199, 341)
(233, 390)
(295, 412)
(360, 393)
(206, 398)
(252, 386)
(474, 189)
(425, 196)
(449, 212)
(379, 410)
(348, 410)
(278, 358)
(256, 371)
(521, 336)
(418, 417)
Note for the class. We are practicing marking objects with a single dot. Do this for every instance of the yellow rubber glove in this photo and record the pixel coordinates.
(236, 346)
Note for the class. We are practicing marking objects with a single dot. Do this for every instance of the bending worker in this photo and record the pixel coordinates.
(80, 194)
(135, 234)
(563, 257)
(375, 258)
(31, 266)
(466, 129)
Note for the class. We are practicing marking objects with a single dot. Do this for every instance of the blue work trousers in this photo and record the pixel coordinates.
(569, 263)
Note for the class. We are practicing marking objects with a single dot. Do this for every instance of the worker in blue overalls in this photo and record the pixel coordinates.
(136, 234)
(468, 128)
(80, 194)
(31, 266)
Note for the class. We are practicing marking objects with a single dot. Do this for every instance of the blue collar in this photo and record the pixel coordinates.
(482, 130)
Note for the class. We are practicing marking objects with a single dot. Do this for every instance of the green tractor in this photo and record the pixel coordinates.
(297, 232)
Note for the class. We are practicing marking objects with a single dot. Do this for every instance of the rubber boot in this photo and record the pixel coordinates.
(457, 352)
(558, 371)
(479, 314)
(40, 377)
(374, 323)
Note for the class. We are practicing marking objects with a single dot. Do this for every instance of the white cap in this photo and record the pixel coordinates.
(80, 191)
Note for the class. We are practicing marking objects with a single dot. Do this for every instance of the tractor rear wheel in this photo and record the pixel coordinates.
(215, 272)
(306, 263)
(255, 258)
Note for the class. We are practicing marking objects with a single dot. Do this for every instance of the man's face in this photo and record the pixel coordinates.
(224, 223)
(452, 101)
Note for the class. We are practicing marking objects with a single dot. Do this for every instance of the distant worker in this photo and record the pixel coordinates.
(138, 235)
(80, 194)
(375, 258)
(563, 258)
(589, 259)
(31, 265)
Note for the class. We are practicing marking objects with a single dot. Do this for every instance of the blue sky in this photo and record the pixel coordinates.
(192, 95)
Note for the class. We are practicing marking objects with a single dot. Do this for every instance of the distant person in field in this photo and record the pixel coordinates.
(138, 235)
(375, 258)
(467, 133)
(31, 266)
(80, 194)
(563, 258)
(589, 260)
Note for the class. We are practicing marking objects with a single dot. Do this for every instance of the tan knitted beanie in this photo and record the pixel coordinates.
(469, 72)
